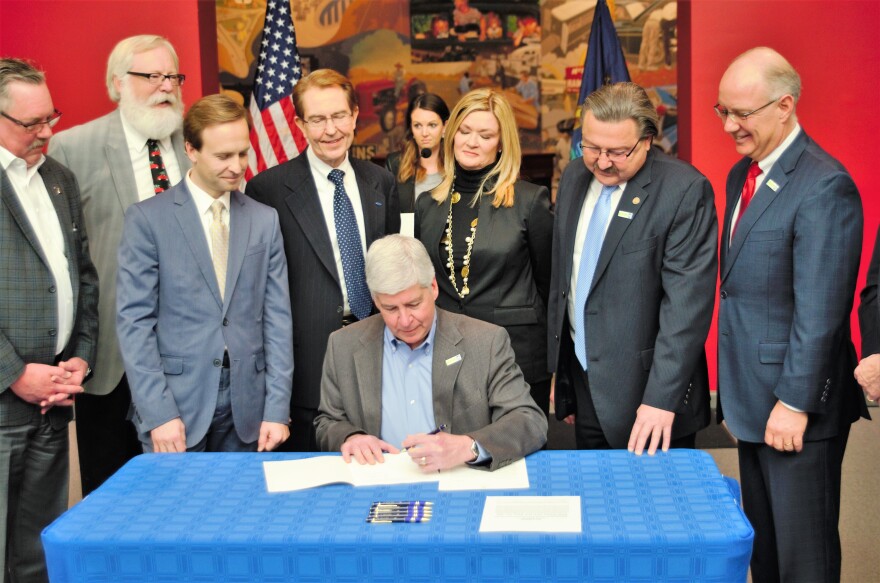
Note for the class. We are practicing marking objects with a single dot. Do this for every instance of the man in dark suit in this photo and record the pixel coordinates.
(868, 371)
(633, 283)
(112, 157)
(785, 359)
(48, 319)
(389, 381)
(203, 309)
(331, 207)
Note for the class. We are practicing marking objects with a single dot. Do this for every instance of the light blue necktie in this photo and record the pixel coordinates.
(587, 268)
(349, 239)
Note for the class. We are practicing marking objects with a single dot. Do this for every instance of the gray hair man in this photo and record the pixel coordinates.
(444, 386)
(121, 158)
(48, 319)
(632, 284)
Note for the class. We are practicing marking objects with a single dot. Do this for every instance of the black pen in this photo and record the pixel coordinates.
(435, 432)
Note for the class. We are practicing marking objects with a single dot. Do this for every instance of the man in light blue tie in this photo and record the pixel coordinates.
(633, 285)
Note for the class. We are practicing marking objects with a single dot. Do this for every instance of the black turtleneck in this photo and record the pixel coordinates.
(467, 183)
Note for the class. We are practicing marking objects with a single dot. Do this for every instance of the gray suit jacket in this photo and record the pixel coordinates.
(173, 325)
(650, 305)
(315, 293)
(97, 153)
(28, 311)
(482, 395)
(787, 285)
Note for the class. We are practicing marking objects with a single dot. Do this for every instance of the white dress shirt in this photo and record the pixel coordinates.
(326, 190)
(203, 202)
(590, 201)
(140, 160)
(34, 198)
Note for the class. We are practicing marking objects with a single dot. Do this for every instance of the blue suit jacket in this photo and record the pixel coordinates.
(173, 326)
(787, 285)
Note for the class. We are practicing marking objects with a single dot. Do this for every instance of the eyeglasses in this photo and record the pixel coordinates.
(613, 155)
(340, 120)
(34, 127)
(741, 116)
(159, 78)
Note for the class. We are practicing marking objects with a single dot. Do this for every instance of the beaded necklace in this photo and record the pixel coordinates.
(454, 197)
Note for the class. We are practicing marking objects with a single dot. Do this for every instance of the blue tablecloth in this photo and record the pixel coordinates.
(208, 517)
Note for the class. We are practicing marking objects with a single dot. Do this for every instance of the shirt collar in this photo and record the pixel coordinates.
(7, 158)
(202, 199)
(322, 168)
(393, 343)
(137, 140)
(767, 163)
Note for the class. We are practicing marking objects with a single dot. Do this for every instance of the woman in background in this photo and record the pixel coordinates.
(489, 234)
(417, 172)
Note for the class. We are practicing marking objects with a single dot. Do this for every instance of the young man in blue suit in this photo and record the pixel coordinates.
(789, 259)
(204, 320)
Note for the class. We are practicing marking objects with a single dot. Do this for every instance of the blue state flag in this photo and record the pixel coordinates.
(603, 65)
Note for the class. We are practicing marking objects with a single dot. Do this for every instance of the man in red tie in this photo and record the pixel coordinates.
(785, 359)
(125, 156)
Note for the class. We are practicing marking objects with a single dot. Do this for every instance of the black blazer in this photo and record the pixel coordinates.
(315, 292)
(406, 190)
(510, 269)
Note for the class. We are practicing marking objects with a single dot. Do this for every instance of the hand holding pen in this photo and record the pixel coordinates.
(438, 450)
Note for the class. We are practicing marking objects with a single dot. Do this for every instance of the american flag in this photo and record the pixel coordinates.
(275, 137)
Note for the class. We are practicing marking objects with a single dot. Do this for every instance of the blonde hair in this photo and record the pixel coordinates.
(502, 177)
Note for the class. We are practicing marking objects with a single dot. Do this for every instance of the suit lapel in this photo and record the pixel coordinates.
(445, 366)
(194, 233)
(183, 162)
(305, 206)
(368, 366)
(570, 213)
(17, 211)
(239, 235)
(372, 204)
(631, 201)
(763, 198)
(119, 162)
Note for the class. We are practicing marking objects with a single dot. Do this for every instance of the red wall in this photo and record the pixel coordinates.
(835, 46)
(71, 40)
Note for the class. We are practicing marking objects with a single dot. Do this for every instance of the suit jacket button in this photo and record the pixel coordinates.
(338, 309)
(225, 322)
(217, 362)
(723, 294)
(52, 332)
(51, 289)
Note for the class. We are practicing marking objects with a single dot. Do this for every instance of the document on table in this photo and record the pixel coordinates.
(301, 474)
(531, 514)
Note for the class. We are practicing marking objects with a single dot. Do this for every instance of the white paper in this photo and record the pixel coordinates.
(511, 477)
(531, 514)
(408, 224)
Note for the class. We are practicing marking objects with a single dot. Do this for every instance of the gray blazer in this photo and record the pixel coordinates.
(97, 153)
(482, 395)
(173, 325)
(650, 304)
(28, 311)
(787, 285)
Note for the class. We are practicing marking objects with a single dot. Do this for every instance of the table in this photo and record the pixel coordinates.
(207, 517)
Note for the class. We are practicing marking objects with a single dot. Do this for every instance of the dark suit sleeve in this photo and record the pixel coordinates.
(688, 275)
(869, 311)
(392, 206)
(518, 427)
(85, 341)
(540, 234)
(332, 425)
(827, 232)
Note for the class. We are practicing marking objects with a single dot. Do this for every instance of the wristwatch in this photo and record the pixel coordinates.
(474, 449)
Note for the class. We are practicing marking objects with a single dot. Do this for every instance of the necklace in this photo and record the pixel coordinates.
(454, 197)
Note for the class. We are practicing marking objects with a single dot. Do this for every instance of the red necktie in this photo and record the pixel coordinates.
(157, 168)
(747, 192)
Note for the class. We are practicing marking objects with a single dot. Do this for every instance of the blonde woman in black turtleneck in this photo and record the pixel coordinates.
(489, 234)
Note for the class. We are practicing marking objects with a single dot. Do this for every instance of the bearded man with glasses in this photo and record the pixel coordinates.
(632, 285)
(331, 207)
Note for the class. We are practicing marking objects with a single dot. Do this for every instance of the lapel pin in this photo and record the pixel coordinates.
(453, 359)
(56, 189)
(772, 184)
(625, 214)
(636, 200)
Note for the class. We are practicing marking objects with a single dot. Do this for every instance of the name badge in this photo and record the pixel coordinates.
(772, 184)
(453, 359)
(625, 214)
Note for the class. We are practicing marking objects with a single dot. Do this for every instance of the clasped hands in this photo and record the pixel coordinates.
(49, 386)
(432, 453)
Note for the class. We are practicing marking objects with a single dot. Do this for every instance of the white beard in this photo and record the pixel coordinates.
(155, 123)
